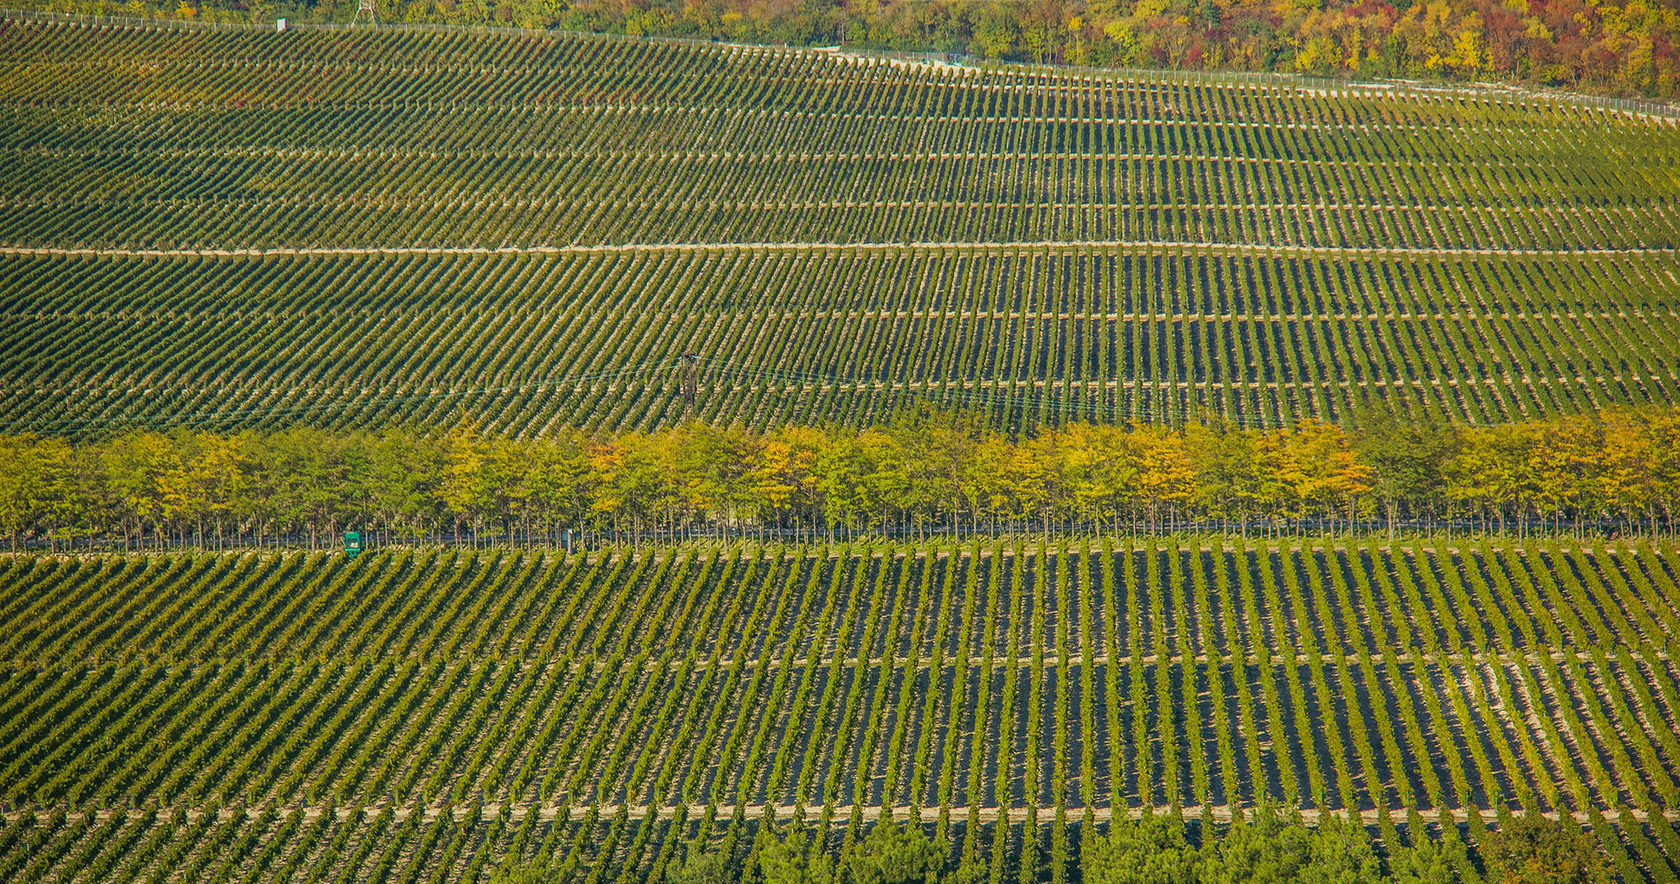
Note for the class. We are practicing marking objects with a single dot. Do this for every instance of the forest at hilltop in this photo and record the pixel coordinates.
(1618, 47)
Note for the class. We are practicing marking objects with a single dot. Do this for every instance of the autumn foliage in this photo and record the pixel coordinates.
(1615, 471)
(1622, 48)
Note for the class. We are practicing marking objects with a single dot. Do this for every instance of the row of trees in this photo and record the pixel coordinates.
(926, 472)
(1266, 846)
(1619, 46)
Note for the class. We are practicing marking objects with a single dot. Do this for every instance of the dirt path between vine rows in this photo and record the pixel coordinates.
(773, 315)
(1221, 813)
(497, 198)
(934, 246)
(1051, 661)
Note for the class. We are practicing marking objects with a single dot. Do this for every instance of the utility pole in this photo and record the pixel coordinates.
(367, 7)
(688, 379)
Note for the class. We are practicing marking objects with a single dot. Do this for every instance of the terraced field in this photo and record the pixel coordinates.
(423, 715)
(242, 228)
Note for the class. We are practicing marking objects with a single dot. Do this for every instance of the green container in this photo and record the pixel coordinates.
(352, 543)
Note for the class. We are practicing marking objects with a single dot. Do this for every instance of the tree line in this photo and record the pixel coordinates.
(1263, 845)
(1622, 47)
(925, 473)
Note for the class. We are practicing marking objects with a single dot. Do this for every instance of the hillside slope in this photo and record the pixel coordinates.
(985, 685)
(239, 228)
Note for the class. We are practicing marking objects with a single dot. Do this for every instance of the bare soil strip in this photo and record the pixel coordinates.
(1052, 660)
(631, 248)
(1221, 813)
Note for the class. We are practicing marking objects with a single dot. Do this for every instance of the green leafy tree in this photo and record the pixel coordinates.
(1096, 471)
(305, 471)
(1035, 479)
(1483, 477)
(1152, 850)
(1229, 484)
(935, 445)
(994, 31)
(984, 482)
(887, 483)
(893, 854)
(708, 470)
(1265, 849)
(133, 466)
(403, 481)
(1341, 853)
(560, 480)
(466, 490)
(1532, 849)
(209, 483)
(839, 470)
(632, 481)
(700, 866)
(796, 857)
(1166, 476)
(38, 488)
(1432, 862)
(526, 873)
(1408, 454)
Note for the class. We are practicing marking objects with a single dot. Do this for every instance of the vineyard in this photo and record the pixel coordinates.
(423, 715)
(238, 228)
(513, 235)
